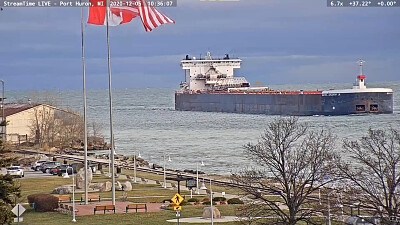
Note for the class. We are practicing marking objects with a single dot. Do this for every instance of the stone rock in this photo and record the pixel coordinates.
(207, 212)
(105, 187)
(80, 178)
(118, 186)
(127, 186)
(121, 176)
(151, 182)
(96, 185)
(61, 190)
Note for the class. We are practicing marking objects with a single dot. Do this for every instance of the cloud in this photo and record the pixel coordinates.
(279, 41)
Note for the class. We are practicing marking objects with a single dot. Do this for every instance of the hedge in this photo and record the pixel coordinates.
(43, 202)
(235, 201)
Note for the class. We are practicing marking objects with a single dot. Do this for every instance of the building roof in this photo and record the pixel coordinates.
(13, 108)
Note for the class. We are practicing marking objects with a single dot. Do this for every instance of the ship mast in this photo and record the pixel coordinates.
(361, 63)
(360, 82)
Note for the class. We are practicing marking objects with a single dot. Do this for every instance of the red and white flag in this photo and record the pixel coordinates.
(151, 17)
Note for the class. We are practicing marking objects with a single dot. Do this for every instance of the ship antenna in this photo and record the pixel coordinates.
(361, 63)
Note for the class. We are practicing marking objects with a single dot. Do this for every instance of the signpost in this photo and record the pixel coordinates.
(177, 199)
(18, 210)
(177, 207)
(191, 183)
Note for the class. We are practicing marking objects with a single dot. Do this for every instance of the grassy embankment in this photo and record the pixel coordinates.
(140, 193)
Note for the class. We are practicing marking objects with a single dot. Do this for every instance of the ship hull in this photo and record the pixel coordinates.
(286, 104)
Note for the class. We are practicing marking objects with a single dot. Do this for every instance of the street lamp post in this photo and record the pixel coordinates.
(73, 194)
(329, 208)
(211, 200)
(3, 117)
(197, 176)
(319, 195)
(329, 211)
(109, 164)
(134, 167)
(165, 172)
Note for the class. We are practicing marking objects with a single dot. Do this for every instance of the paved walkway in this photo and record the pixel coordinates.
(204, 220)
(84, 210)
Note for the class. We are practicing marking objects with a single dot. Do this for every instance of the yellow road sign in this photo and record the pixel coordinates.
(177, 199)
(177, 207)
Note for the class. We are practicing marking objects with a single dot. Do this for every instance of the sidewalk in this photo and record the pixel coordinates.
(224, 219)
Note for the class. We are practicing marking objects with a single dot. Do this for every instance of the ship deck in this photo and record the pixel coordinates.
(271, 92)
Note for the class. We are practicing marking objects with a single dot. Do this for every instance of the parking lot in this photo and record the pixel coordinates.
(29, 173)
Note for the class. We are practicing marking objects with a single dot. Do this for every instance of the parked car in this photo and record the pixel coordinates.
(91, 166)
(54, 170)
(16, 171)
(64, 168)
(36, 165)
(45, 167)
(75, 165)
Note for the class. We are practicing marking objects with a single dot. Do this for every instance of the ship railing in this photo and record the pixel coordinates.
(213, 58)
(272, 92)
(232, 81)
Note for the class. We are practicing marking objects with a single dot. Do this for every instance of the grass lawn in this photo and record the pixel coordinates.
(40, 185)
(140, 193)
(47, 184)
(33, 218)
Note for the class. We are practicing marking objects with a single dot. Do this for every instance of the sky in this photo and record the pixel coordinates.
(280, 42)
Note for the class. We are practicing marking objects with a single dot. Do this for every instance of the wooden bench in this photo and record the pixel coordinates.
(104, 208)
(91, 197)
(63, 198)
(136, 206)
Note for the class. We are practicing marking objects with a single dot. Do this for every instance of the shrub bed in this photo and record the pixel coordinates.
(208, 203)
(219, 199)
(43, 202)
(193, 200)
(235, 201)
(205, 200)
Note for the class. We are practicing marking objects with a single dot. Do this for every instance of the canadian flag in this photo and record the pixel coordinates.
(151, 17)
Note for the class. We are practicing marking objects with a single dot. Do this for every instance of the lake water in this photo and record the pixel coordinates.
(145, 121)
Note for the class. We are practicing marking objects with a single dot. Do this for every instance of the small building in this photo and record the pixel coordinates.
(22, 118)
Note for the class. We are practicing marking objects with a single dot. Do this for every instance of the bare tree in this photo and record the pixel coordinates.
(291, 165)
(70, 129)
(95, 130)
(374, 170)
(55, 127)
(43, 125)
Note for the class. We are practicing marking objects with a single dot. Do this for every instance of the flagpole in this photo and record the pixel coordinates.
(110, 99)
(84, 109)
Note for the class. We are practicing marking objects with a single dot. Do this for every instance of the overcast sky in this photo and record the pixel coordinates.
(280, 42)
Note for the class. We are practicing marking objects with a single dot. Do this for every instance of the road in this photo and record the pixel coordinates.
(29, 173)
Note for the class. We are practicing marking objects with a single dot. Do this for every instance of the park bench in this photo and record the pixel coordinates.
(137, 206)
(104, 208)
(63, 198)
(91, 197)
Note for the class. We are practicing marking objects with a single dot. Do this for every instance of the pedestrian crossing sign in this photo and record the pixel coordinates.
(177, 199)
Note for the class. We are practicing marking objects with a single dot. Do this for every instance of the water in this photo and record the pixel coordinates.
(145, 121)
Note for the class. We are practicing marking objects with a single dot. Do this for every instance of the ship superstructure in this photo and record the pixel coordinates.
(208, 74)
(210, 85)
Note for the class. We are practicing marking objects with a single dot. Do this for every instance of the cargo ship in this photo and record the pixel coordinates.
(210, 86)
